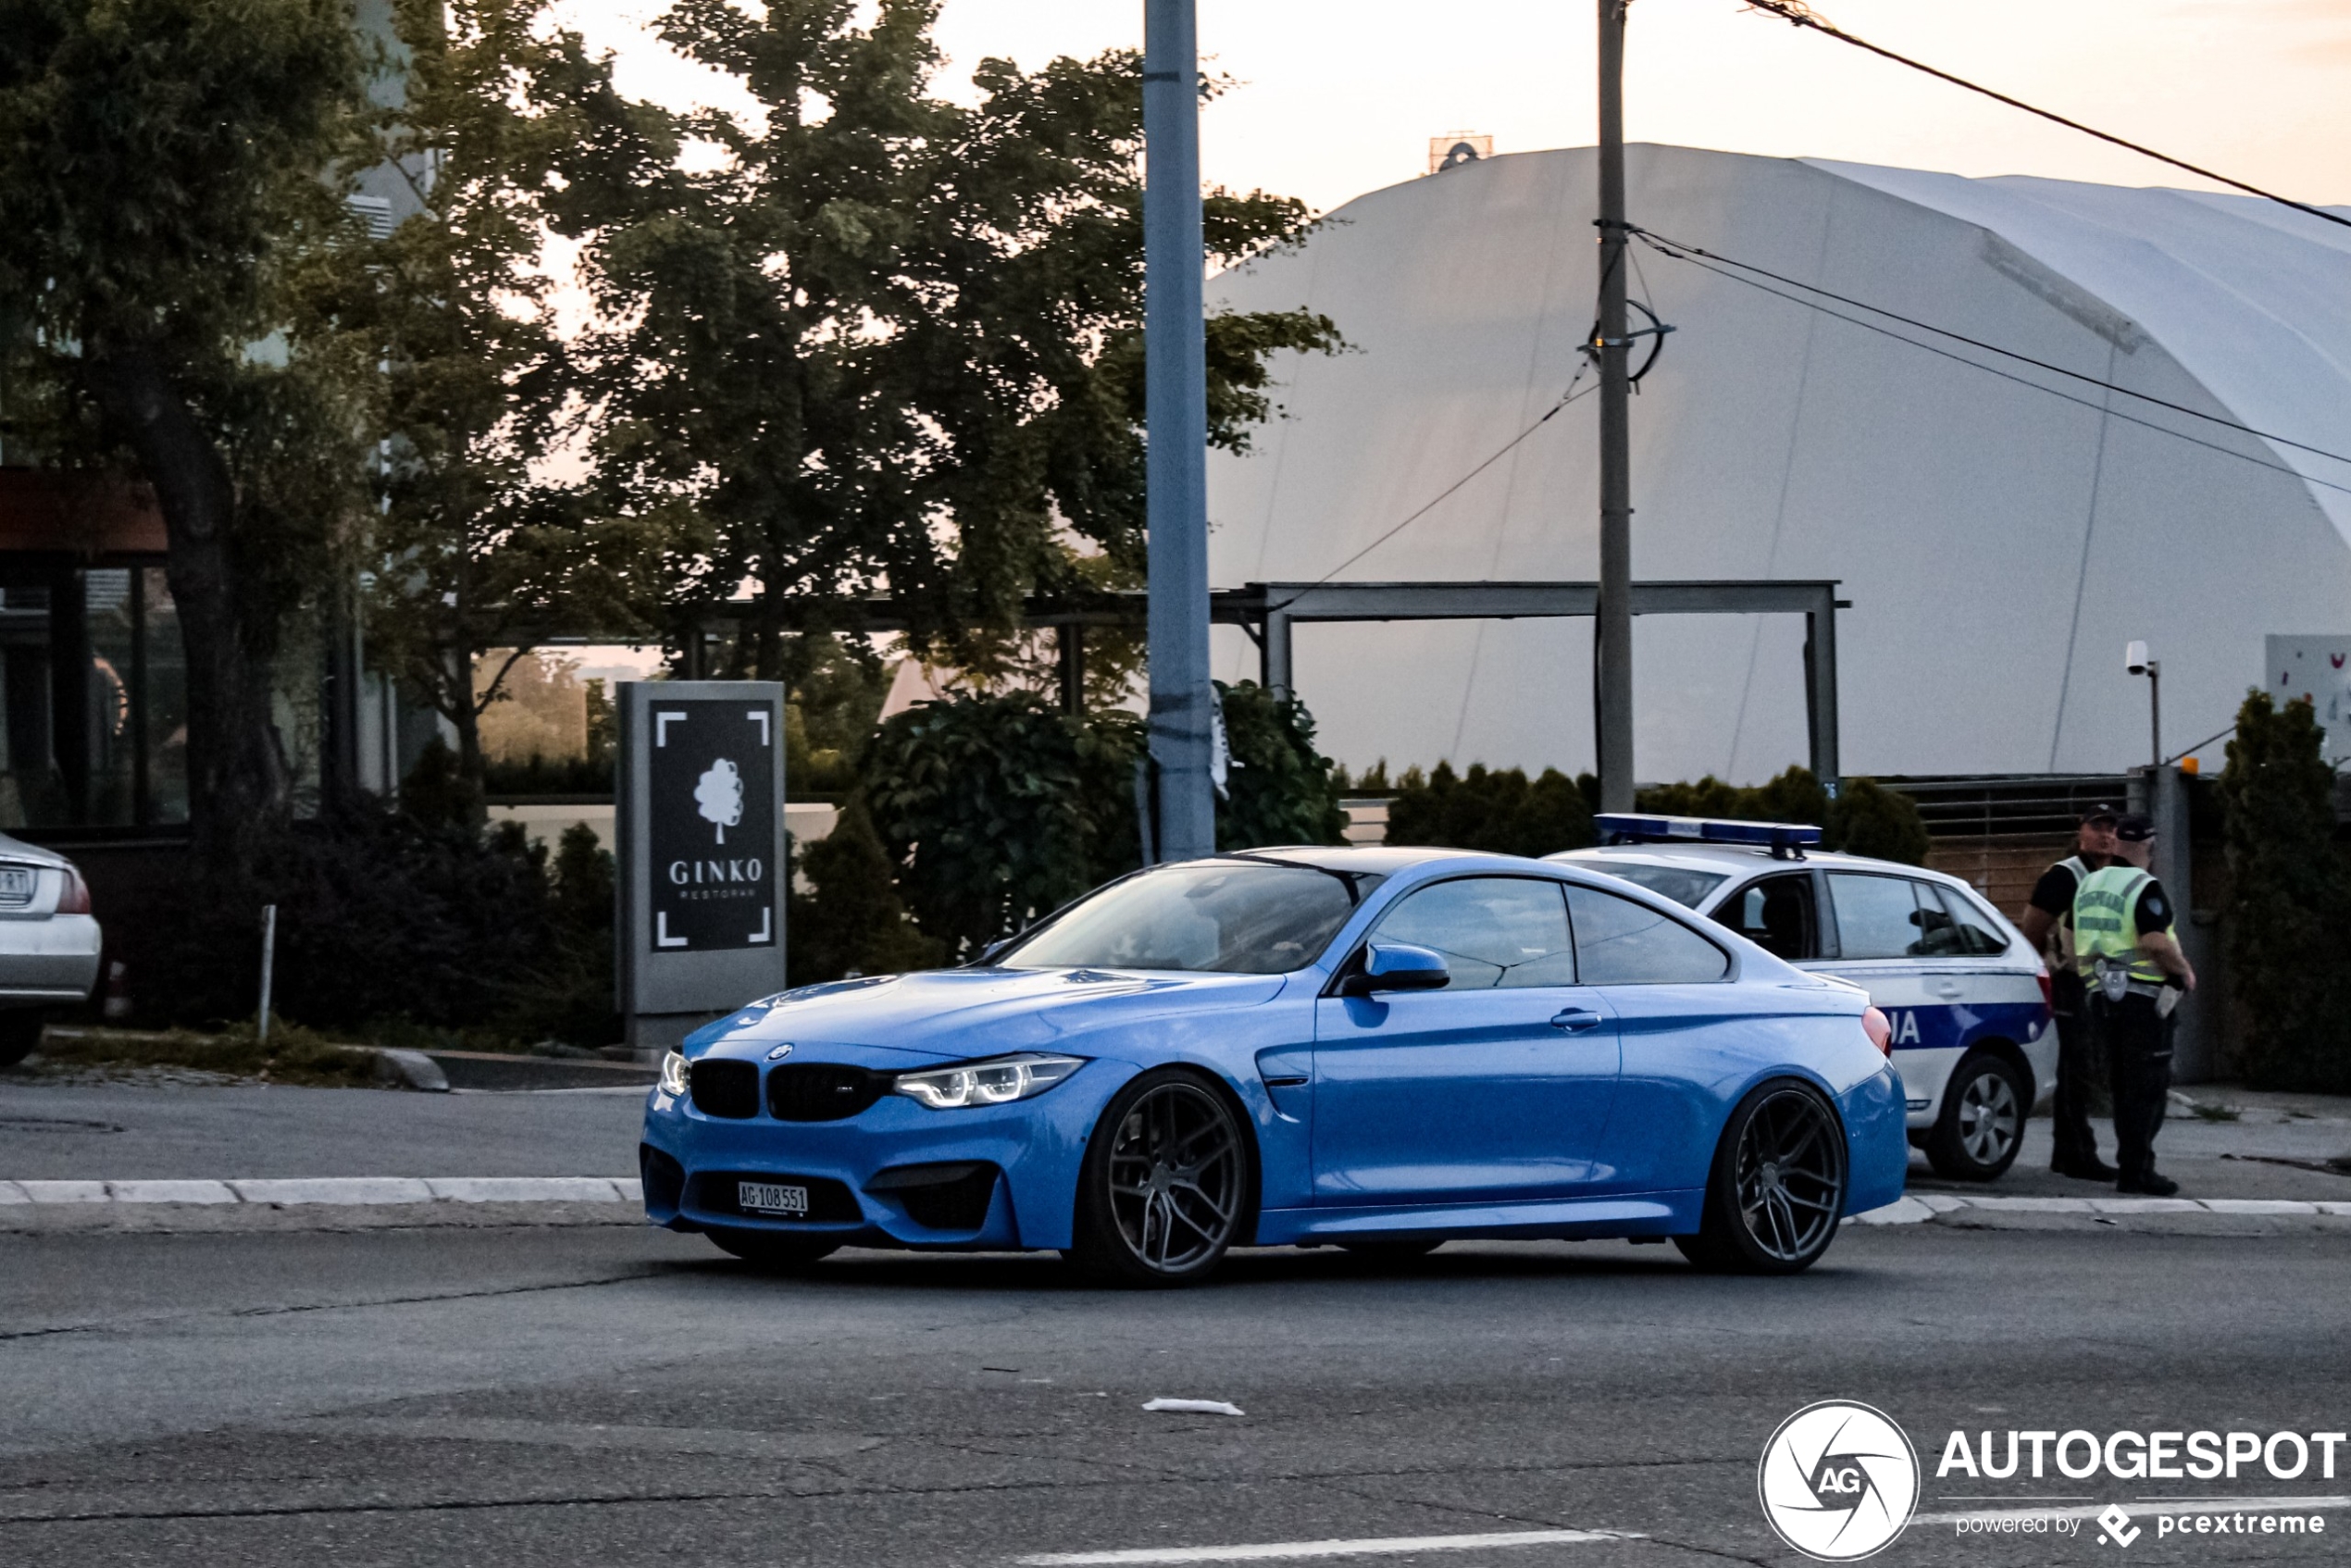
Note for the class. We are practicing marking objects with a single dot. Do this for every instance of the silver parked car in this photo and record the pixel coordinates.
(49, 942)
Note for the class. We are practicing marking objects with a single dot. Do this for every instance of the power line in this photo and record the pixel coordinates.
(1496, 456)
(2006, 376)
(1670, 247)
(1798, 14)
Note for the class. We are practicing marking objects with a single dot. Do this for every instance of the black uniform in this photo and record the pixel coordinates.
(2135, 1035)
(2076, 1150)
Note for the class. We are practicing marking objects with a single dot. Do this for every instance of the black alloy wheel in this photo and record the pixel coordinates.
(1165, 1185)
(1777, 1193)
(775, 1252)
(1981, 1127)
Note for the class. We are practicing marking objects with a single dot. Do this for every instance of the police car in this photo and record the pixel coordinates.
(1967, 996)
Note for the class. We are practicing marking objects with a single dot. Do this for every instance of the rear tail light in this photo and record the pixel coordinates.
(75, 897)
(1879, 1029)
(2048, 991)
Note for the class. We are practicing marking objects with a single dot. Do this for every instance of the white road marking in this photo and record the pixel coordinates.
(2160, 1505)
(1275, 1551)
(1918, 1208)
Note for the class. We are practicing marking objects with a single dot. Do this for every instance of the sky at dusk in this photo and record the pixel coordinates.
(1338, 98)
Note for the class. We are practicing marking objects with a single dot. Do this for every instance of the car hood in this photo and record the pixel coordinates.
(954, 1014)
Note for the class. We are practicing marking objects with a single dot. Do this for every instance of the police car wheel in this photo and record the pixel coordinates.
(768, 1249)
(1777, 1193)
(1981, 1124)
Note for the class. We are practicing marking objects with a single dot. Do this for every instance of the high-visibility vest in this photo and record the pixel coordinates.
(2061, 931)
(2105, 924)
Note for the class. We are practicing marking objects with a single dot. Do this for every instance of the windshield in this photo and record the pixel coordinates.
(1684, 886)
(1228, 917)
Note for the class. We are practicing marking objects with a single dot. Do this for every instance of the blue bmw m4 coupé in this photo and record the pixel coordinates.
(1376, 1049)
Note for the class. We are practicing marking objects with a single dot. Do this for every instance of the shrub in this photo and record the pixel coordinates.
(1499, 811)
(982, 803)
(2290, 898)
(1278, 790)
(851, 919)
(1866, 818)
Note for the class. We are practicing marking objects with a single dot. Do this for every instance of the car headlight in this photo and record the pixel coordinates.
(998, 1081)
(673, 1075)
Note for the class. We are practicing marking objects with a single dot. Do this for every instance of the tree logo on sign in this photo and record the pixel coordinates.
(718, 795)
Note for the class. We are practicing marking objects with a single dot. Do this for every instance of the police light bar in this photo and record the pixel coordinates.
(1777, 837)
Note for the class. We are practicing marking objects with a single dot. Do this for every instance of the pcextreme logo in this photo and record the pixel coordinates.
(1838, 1480)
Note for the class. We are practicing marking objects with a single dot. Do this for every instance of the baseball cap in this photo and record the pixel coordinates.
(2134, 829)
(2101, 813)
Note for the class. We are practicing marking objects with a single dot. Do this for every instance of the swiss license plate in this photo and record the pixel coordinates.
(766, 1199)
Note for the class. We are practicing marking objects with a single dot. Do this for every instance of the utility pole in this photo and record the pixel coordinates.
(1613, 637)
(1175, 417)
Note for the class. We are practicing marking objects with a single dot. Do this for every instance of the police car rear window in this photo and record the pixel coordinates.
(1684, 886)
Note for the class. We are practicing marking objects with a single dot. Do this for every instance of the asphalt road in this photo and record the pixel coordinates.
(610, 1396)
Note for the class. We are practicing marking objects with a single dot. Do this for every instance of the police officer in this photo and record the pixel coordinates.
(2048, 926)
(2128, 954)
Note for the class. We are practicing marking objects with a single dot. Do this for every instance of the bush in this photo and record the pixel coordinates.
(1499, 811)
(1278, 790)
(852, 920)
(993, 807)
(2290, 898)
(1865, 819)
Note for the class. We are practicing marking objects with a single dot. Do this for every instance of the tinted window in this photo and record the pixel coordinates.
(1973, 928)
(1618, 942)
(1890, 917)
(1493, 931)
(1234, 917)
(1679, 883)
(1776, 914)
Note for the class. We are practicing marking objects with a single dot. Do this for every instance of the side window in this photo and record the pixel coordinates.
(1972, 926)
(1892, 918)
(1494, 931)
(1618, 942)
(1776, 915)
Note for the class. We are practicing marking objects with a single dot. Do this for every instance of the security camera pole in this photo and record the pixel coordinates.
(1176, 413)
(1612, 675)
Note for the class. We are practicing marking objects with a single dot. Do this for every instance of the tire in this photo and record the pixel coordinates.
(1776, 1192)
(1981, 1127)
(773, 1251)
(1169, 1178)
(20, 1034)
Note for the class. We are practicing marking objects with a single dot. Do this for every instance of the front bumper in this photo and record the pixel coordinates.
(895, 1174)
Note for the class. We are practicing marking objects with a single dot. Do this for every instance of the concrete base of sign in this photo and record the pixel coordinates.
(652, 1034)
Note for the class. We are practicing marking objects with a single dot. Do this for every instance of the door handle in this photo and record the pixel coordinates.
(1576, 1020)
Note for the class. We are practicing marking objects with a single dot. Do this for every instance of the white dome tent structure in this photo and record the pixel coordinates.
(2001, 527)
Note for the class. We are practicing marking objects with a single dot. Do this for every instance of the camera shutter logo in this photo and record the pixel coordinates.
(1838, 1480)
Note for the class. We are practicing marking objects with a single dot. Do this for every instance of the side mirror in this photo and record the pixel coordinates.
(1397, 966)
(987, 953)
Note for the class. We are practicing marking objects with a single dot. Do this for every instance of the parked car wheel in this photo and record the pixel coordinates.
(1981, 1124)
(1776, 1192)
(768, 1249)
(1165, 1185)
(20, 1034)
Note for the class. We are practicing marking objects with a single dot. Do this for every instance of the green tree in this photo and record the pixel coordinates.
(1279, 790)
(2289, 900)
(477, 549)
(851, 920)
(166, 168)
(885, 337)
(1499, 811)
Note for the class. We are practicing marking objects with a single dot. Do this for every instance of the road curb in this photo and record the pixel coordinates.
(1927, 1207)
(352, 1191)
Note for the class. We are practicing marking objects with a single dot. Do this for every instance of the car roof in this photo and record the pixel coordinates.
(1375, 858)
(1737, 860)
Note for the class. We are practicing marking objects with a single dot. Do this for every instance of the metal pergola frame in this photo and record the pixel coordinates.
(1270, 612)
